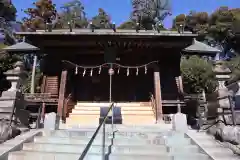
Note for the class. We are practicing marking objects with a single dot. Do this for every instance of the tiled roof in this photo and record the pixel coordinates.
(21, 47)
(199, 47)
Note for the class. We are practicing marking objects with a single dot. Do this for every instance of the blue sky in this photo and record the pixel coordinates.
(120, 9)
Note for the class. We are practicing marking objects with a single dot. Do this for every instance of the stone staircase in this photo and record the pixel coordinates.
(132, 113)
(128, 143)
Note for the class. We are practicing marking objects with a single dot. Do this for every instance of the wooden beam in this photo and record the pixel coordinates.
(62, 91)
(158, 95)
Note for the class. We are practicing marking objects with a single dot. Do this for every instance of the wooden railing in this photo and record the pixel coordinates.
(154, 106)
(67, 106)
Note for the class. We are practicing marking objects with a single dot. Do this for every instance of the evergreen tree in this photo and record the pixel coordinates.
(74, 12)
(102, 20)
(7, 10)
(44, 11)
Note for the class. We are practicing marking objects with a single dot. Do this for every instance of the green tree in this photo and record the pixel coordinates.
(234, 66)
(7, 10)
(194, 21)
(215, 25)
(44, 11)
(74, 12)
(127, 25)
(221, 21)
(197, 75)
(150, 13)
(102, 20)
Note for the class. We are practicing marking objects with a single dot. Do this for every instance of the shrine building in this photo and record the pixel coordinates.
(100, 66)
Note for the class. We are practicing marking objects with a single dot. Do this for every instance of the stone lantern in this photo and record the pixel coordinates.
(222, 73)
(16, 76)
(12, 100)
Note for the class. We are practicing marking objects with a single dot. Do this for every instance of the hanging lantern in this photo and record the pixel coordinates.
(128, 72)
(137, 72)
(84, 72)
(145, 69)
(76, 70)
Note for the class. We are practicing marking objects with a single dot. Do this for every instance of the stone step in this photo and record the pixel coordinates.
(83, 113)
(123, 112)
(87, 108)
(126, 119)
(90, 132)
(128, 108)
(150, 128)
(30, 155)
(69, 141)
(100, 104)
(123, 133)
(120, 127)
(71, 124)
(84, 119)
(63, 148)
(6, 109)
(117, 141)
(6, 103)
(152, 149)
(141, 156)
(78, 148)
(138, 119)
(128, 141)
(5, 115)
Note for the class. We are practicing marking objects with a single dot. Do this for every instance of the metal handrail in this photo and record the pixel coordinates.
(86, 149)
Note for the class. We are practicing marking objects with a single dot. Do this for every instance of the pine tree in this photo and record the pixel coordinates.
(44, 11)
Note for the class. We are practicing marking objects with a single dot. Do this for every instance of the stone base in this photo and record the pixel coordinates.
(179, 123)
(11, 94)
(228, 118)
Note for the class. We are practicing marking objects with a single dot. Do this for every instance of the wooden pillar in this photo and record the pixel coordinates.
(158, 95)
(43, 85)
(62, 91)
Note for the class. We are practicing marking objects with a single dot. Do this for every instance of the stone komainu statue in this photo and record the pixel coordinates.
(8, 131)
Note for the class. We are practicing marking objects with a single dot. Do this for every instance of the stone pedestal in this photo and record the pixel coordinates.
(179, 123)
(50, 121)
